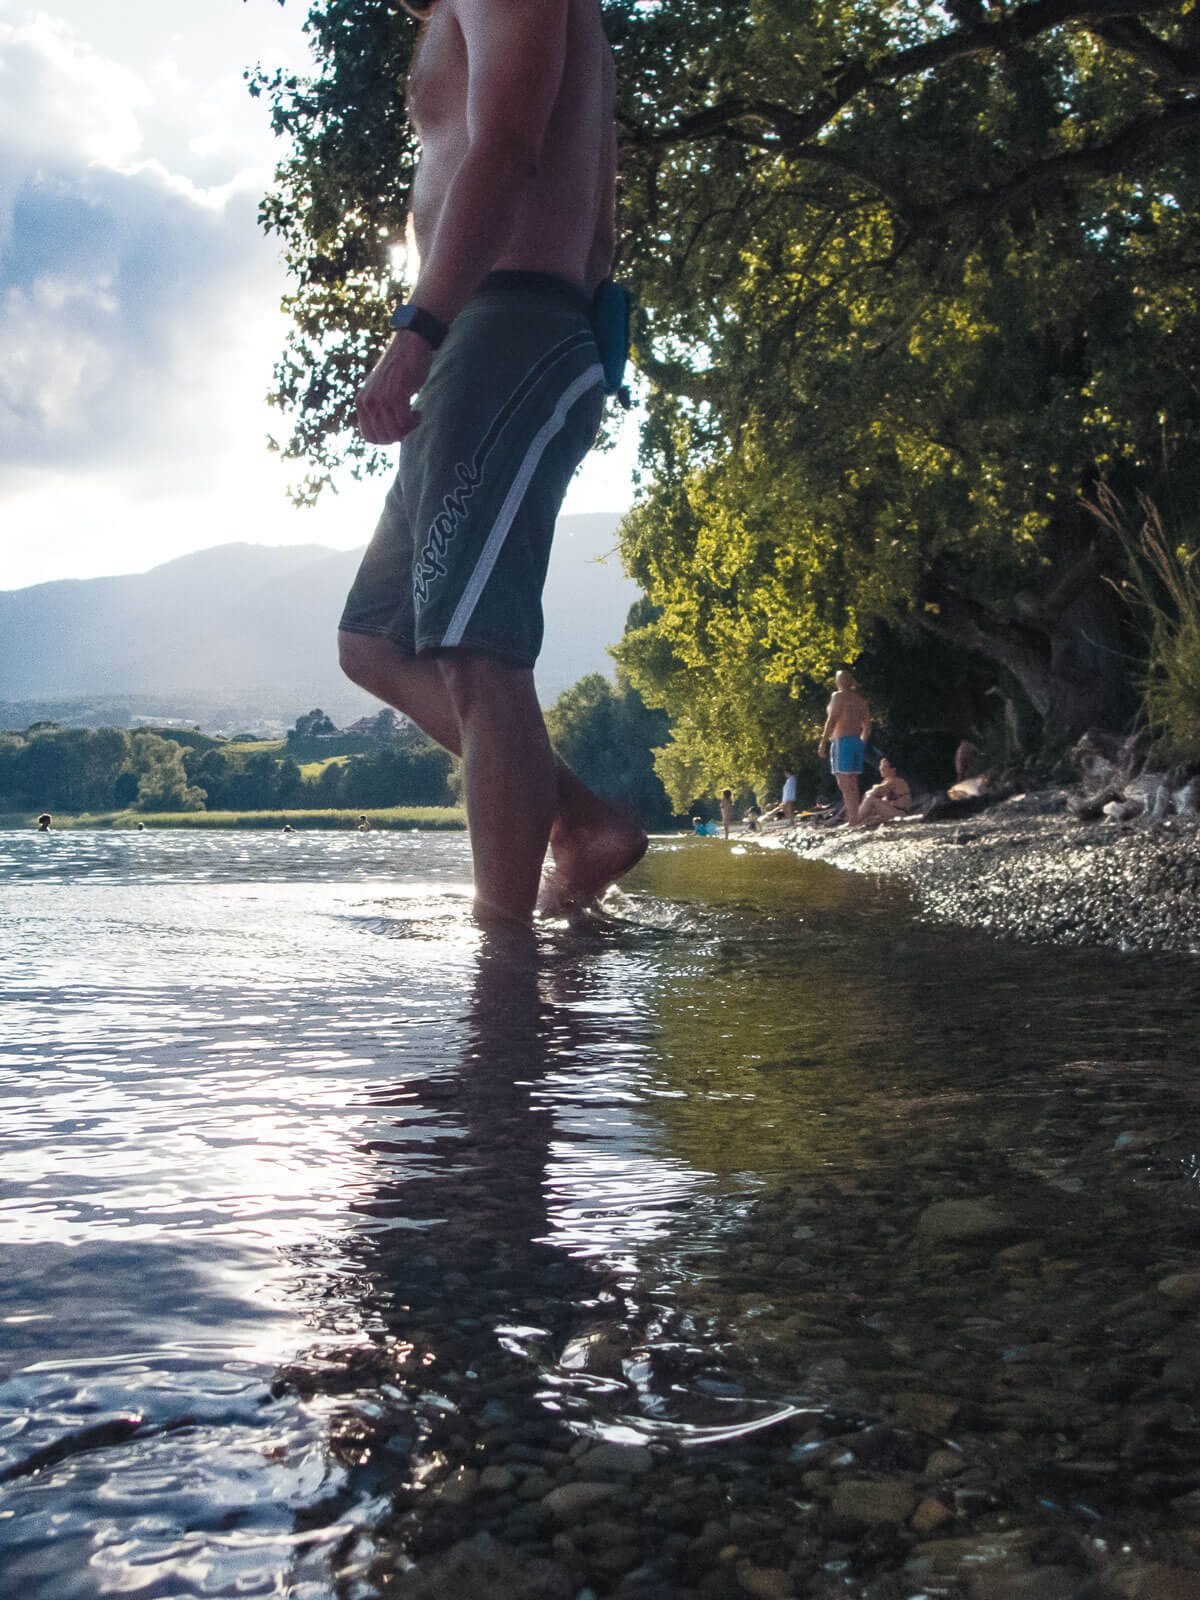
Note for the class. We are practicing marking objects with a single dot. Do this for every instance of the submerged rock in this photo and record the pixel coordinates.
(483, 1566)
(1181, 1286)
(874, 1500)
(961, 1222)
(930, 1514)
(627, 1460)
(576, 1499)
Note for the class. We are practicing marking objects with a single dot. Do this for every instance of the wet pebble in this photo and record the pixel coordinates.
(874, 1500)
(572, 1500)
(623, 1460)
(961, 1221)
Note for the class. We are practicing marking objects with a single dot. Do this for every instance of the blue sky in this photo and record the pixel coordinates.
(138, 299)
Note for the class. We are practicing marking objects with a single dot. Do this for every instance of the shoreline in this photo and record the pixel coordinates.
(383, 819)
(1026, 868)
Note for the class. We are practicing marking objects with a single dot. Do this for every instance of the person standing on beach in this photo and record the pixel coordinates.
(514, 216)
(846, 731)
(787, 800)
(726, 810)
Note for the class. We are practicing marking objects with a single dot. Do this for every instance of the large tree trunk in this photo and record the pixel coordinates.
(1069, 665)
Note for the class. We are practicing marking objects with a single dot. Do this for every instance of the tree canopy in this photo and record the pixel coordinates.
(912, 280)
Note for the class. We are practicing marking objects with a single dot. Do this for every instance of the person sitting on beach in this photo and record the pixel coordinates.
(753, 813)
(44, 822)
(968, 760)
(846, 731)
(888, 801)
(726, 809)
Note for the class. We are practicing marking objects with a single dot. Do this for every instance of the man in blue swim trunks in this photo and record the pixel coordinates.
(846, 731)
(513, 214)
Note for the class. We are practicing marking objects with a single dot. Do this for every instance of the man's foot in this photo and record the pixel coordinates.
(587, 860)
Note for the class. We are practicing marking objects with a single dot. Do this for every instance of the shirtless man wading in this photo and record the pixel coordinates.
(513, 210)
(846, 731)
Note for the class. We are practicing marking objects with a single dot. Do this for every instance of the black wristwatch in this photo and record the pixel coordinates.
(421, 322)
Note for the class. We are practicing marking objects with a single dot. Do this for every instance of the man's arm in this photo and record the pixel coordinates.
(830, 717)
(516, 53)
(865, 726)
(604, 242)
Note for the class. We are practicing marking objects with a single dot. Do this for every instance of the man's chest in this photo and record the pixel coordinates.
(437, 81)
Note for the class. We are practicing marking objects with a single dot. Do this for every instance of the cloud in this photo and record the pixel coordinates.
(137, 307)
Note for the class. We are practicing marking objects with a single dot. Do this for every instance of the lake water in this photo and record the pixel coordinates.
(300, 1178)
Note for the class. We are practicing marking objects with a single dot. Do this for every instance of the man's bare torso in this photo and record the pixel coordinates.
(564, 222)
(848, 714)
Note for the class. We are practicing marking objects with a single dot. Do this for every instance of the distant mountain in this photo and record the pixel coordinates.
(246, 633)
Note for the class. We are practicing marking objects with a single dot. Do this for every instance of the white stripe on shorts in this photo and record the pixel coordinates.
(494, 542)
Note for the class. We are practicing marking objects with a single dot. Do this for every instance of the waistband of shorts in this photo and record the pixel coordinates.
(539, 283)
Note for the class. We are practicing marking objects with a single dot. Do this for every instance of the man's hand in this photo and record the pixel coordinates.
(385, 413)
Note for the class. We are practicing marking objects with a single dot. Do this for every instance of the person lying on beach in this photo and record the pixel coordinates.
(888, 801)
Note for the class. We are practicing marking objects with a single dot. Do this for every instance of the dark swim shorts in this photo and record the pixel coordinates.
(509, 409)
(846, 754)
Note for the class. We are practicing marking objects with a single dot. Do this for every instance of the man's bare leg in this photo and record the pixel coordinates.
(847, 782)
(477, 708)
(509, 781)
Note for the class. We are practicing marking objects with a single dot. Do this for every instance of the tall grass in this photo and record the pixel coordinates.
(1163, 587)
(384, 818)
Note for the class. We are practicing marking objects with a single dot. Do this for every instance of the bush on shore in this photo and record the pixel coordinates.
(1163, 587)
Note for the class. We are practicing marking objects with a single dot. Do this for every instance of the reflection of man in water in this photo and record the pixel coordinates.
(513, 213)
(846, 731)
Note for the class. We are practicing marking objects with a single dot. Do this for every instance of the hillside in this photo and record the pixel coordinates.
(245, 634)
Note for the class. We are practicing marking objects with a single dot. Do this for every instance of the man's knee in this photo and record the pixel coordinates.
(364, 656)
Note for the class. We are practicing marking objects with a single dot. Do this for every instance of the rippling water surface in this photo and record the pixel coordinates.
(291, 1158)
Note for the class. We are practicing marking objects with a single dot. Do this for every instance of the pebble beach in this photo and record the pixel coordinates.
(1027, 868)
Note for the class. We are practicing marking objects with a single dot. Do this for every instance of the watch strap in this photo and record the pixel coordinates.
(421, 322)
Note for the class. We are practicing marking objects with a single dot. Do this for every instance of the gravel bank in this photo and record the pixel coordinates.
(1027, 868)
